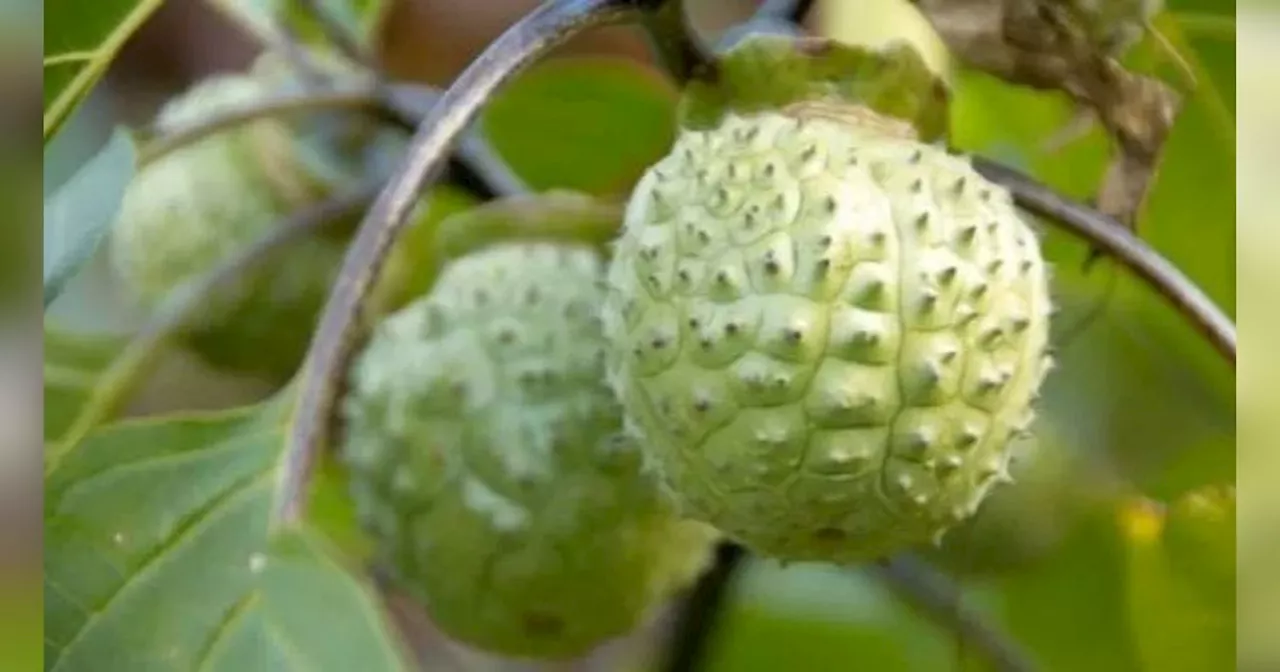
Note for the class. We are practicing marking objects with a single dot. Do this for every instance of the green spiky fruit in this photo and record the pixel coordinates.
(188, 211)
(825, 330)
(488, 460)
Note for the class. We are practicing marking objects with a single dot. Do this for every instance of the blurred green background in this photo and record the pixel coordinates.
(1123, 569)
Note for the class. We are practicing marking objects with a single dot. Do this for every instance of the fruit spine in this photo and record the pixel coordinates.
(824, 331)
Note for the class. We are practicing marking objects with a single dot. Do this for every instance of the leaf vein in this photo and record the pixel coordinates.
(184, 532)
(232, 444)
(234, 614)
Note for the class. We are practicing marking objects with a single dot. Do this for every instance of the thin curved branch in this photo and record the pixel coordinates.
(475, 166)
(276, 106)
(938, 598)
(126, 371)
(322, 376)
(1115, 240)
(697, 619)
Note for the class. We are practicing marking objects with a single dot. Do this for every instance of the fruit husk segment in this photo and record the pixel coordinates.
(769, 73)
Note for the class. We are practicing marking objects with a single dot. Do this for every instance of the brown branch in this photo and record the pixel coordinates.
(322, 377)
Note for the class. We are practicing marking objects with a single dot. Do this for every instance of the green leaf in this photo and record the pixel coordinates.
(586, 124)
(264, 17)
(80, 214)
(157, 557)
(1073, 597)
(1181, 581)
(811, 616)
(81, 38)
(73, 364)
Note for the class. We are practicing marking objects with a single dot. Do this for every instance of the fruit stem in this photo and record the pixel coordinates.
(129, 367)
(339, 333)
(933, 594)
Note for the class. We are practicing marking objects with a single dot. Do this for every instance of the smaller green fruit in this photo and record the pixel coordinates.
(190, 210)
(488, 460)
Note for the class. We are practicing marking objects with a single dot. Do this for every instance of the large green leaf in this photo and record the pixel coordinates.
(587, 124)
(81, 38)
(78, 216)
(158, 557)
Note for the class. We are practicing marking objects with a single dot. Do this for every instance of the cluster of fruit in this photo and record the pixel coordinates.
(816, 334)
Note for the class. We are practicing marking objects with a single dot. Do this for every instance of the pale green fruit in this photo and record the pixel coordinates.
(488, 461)
(188, 211)
(825, 331)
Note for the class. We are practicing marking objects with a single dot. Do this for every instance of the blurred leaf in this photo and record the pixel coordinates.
(157, 557)
(1181, 582)
(72, 366)
(1200, 536)
(80, 214)
(81, 38)
(264, 17)
(1069, 610)
(587, 124)
(820, 617)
